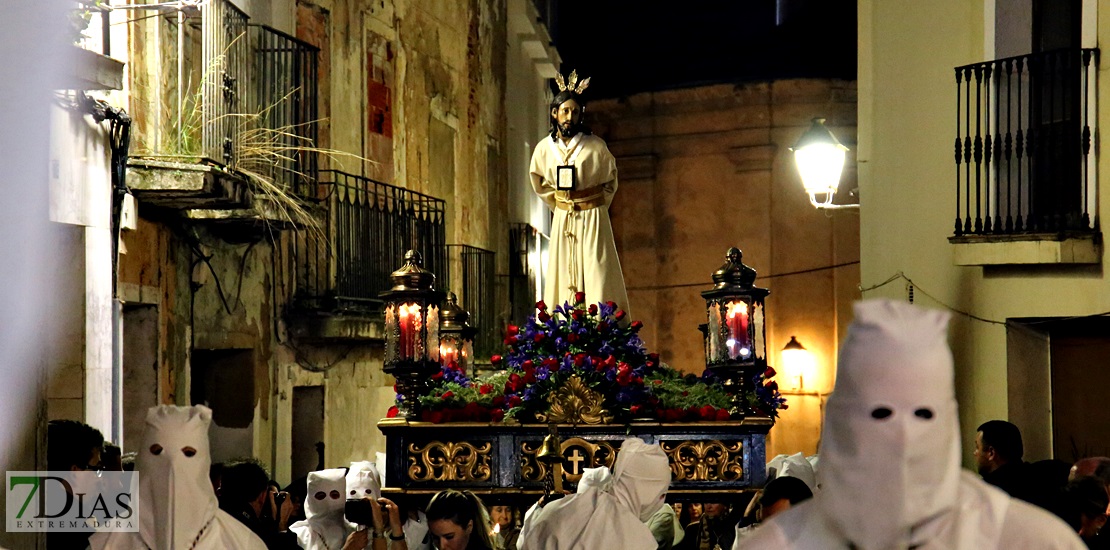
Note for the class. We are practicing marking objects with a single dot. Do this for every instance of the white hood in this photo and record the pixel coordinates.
(599, 478)
(363, 481)
(641, 477)
(324, 525)
(605, 515)
(174, 489)
(890, 450)
(795, 465)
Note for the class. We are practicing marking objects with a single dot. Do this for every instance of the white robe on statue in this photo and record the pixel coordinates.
(890, 472)
(177, 507)
(602, 517)
(582, 256)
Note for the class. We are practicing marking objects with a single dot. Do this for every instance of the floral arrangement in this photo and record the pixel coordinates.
(596, 344)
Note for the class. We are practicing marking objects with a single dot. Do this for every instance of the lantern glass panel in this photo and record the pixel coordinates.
(433, 333)
(738, 321)
(714, 350)
(392, 335)
(760, 347)
(449, 351)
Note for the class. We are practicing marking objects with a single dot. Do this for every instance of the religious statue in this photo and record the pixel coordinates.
(576, 176)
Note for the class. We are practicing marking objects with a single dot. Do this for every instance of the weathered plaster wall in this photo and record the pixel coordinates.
(703, 169)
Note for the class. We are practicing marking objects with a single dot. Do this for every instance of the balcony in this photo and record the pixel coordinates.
(235, 100)
(1026, 191)
(339, 270)
(471, 276)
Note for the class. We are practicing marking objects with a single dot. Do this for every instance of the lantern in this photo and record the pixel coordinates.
(456, 336)
(411, 330)
(797, 365)
(735, 339)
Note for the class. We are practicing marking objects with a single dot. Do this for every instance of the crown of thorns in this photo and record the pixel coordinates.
(571, 83)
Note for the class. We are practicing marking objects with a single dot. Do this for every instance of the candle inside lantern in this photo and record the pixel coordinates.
(448, 354)
(408, 318)
(736, 319)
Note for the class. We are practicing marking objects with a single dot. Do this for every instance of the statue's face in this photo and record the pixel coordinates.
(567, 116)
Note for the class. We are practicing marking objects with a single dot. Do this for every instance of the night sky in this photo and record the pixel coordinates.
(631, 46)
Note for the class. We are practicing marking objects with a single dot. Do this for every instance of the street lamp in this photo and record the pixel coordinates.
(411, 330)
(819, 157)
(735, 343)
(797, 363)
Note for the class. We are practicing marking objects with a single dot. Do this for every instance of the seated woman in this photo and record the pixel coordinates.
(457, 520)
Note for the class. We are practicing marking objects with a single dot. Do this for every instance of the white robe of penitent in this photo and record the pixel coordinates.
(582, 255)
(177, 507)
(890, 472)
(613, 517)
(324, 526)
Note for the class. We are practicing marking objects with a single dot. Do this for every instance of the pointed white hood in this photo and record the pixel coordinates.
(324, 525)
(606, 512)
(363, 481)
(174, 489)
(890, 450)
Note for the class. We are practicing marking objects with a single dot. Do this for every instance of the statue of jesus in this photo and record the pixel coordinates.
(574, 173)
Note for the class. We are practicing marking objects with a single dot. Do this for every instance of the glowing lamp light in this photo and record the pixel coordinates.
(735, 343)
(819, 157)
(456, 336)
(798, 364)
(412, 327)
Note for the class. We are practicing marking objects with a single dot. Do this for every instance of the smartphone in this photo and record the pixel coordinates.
(359, 511)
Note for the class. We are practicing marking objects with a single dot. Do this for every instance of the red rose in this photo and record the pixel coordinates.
(448, 394)
(769, 373)
(579, 297)
(672, 415)
(576, 315)
(619, 314)
(654, 357)
(784, 406)
(496, 359)
(514, 401)
(435, 417)
(602, 326)
(437, 375)
(513, 330)
(772, 385)
(540, 305)
(484, 389)
(499, 401)
(528, 365)
(579, 359)
(497, 415)
(572, 338)
(530, 377)
(708, 412)
(543, 317)
(637, 325)
(593, 309)
(539, 338)
(722, 415)
(514, 378)
(392, 412)
(635, 409)
(550, 363)
(611, 304)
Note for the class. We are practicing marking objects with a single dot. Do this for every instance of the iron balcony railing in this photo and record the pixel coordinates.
(224, 75)
(366, 227)
(471, 276)
(527, 249)
(279, 137)
(1024, 127)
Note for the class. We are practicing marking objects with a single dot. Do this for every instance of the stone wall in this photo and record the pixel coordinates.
(703, 169)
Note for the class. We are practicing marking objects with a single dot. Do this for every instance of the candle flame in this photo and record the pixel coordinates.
(737, 308)
(496, 528)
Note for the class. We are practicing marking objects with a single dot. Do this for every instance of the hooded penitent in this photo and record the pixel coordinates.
(363, 481)
(178, 508)
(324, 525)
(607, 515)
(890, 473)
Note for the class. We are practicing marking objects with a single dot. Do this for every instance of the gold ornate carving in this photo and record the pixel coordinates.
(705, 460)
(592, 455)
(438, 461)
(575, 403)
